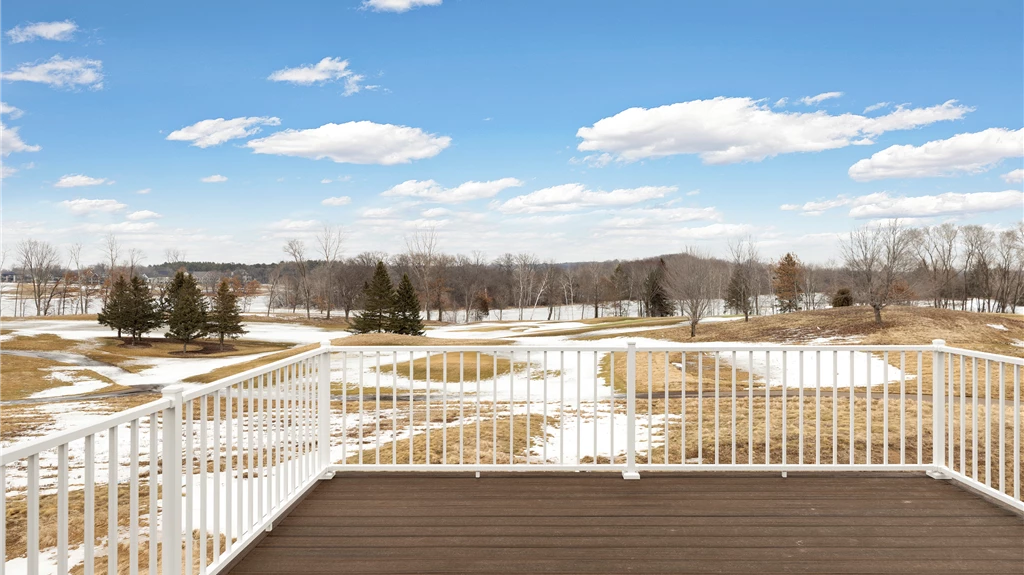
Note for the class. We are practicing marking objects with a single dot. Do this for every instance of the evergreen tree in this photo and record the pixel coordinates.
(405, 316)
(737, 295)
(658, 302)
(142, 315)
(116, 309)
(170, 291)
(378, 303)
(226, 315)
(787, 275)
(842, 298)
(187, 319)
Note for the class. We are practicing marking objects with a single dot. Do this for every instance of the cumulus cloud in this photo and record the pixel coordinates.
(360, 142)
(1013, 177)
(939, 205)
(60, 31)
(431, 191)
(84, 206)
(58, 72)
(78, 180)
(10, 110)
(143, 215)
(815, 100)
(10, 141)
(885, 205)
(214, 179)
(569, 197)
(728, 130)
(968, 153)
(338, 201)
(397, 5)
(324, 71)
(213, 132)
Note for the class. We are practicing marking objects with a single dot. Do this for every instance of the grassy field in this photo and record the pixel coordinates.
(23, 376)
(608, 323)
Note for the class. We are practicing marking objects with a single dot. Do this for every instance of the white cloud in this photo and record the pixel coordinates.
(78, 180)
(360, 142)
(815, 100)
(967, 153)
(84, 206)
(7, 171)
(338, 201)
(376, 213)
(781, 103)
(727, 130)
(884, 206)
(693, 193)
(653, 217)
(143, 215)
(10, 110)
(213, 132)
(431, 191)
(121, 228)
(877, 106)
(569, 197)
(397, 5)
(60, 73)
(326, 181)
(324, 71)
(294, 225)
(144, 191)
(216, 178)
(10, 141)
(60, 31)
(1014, 177)
(435, 212)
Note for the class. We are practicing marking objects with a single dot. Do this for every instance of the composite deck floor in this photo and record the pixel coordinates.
(664, 523)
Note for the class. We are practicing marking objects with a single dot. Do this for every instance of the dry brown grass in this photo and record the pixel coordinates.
(451, 367)
(445, 445)
(124, 556)
(160, 347)
(80, 316)
(296, 319)
(902, 325)
(227, 371)
(41, 342)
(21, 376)
(394, 339)
(18, 421)
(603, 325)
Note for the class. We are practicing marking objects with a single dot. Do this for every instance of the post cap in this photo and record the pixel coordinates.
(938, 342)
(173, 389)
(326, 343)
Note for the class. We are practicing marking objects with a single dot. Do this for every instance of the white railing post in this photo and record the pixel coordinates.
(938, 411)
(324, 415)
(630, 472)
(172, 430)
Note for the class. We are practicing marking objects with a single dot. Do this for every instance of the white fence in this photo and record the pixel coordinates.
(185, 483)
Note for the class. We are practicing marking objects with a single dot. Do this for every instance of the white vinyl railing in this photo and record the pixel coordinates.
(184, 484)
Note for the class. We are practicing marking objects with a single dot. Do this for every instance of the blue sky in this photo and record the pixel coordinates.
(575, 130)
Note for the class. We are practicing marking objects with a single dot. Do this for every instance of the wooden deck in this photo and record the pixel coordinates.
(664, 523)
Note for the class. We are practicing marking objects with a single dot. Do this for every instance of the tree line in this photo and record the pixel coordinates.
(960, 267)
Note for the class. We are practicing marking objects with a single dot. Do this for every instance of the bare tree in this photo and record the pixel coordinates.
(422, 258)
(135, 257)
(329, 243)
(297, 250)
(112, 249)
(41, 263)
(692, 279)
(879, 257)
(937, 249)
(741, 288)
(174, 256)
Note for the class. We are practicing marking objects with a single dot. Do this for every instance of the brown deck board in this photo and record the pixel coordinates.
(664, 523)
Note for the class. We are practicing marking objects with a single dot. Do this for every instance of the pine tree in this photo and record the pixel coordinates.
(842, 298)
(658, 302)
(737, 295)
(405, 316)
(170, 291)
(378, 302)
(226, 315)
(787, 275)
(115, 310)
(188, 316)
(143, 314)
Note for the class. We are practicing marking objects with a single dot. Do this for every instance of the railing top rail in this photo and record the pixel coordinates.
(472, 348)
(22, 450)
(984, 355)
(205, 389)
(668, 346)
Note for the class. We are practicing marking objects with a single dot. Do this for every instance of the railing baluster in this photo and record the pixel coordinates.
(360, 391)
(394, 408)
(462, 409)
(988, 423)
(718, 382)
(817, 407)
(767, 407)
(204, 462)
(444, 407)
(494, 408)
(1002, 430)
(189, 469)
(920, 410)
(376, 411)
(479, 422)
(32, 515)
(89, 505)
(853, 444)
(868, 456)
(62, 504)
(1017, 455)
(835, 408)
(750, 407)
(217, 473)
(3, 524)
(344, 407)
(700, 407)
(229, 471)
(974, 417)
(154, 482)
(785, 402)
(412, 411)
(885, 403)
(963, 415)
(903, 407)
(112, 501)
